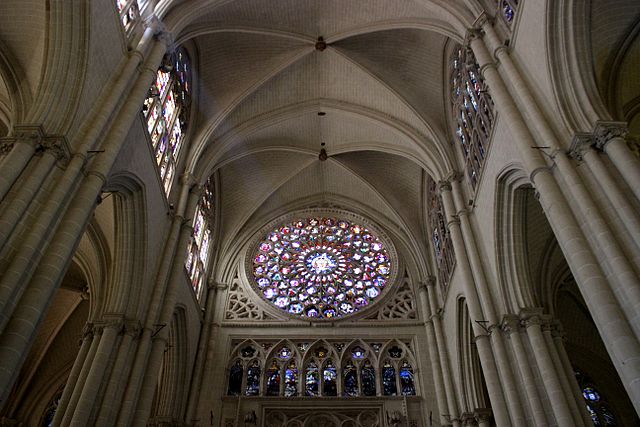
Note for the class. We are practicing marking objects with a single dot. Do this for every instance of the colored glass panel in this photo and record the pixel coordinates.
(406, 379)
(389, 387)
(350, 380)
(235, 379)
(273, 380)
(321, 267)
(253, 379)
(329, 378)
(291, 380)
(368, 376)
(312, 380)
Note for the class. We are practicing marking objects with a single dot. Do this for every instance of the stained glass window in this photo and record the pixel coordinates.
(235, 379)
(284, 353)
(321, 267)
(442, 244)
(329, 377)
(368, 375)
(312, 380)
(395, 352)
(472, 112)
(273, 379)
(508, 9)
(291, 380)
(406, 379)
(350, 380)
(253, 379)
(52, 407)
(198, 248)
(389, 386)
(166, 111)
(358, 353)
(129, 11)
(598, 408)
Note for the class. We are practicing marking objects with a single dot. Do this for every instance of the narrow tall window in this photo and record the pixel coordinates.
(596, 404)
(329, 376)
(198, 249)
(472, 110)
(312, 380)
(406, 379)
(442, 245)
(129, 13)
(235, 379)
(508, 9)
(166, 111)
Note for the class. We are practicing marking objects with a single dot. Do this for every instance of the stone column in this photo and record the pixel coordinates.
(94, 381)
(483, 417)
(75, 374)
(549, 376)
(564, 382)
(434, 357)
(469, 419)
(110, 402)
(449, 387)
(486, 303)
(20, 330)
(610, 139)
(198, 366)
(558, 338)
(511, 326)
(19, 149)
(484, 349)
(582, 150)
(616, 332)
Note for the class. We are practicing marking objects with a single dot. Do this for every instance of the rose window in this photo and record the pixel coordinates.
(321, 268)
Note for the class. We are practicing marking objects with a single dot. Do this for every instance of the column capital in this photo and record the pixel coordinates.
(444, 185)
(87, 331)
(510, 324)
(216, 286)
(482, 414)
(605, 131)
(160, 30)
(132, 328)
(580, 144)
(468, 419)
(188, 178)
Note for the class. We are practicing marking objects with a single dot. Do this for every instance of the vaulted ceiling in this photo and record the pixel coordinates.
(269, 99)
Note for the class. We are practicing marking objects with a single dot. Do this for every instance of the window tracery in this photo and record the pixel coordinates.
(442, 244)
(472, 112)
(200, 243)
(321, 267)
(351, 371)
(166, 111)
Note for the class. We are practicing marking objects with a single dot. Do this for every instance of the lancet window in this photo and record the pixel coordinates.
(596, 404)
(129, 11)
(508, 9)
(166, 112)
(442, 245)
(325, 368)
(200, 243)
(472, 112)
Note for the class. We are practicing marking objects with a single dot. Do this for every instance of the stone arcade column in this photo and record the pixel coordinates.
(20, 330)
(482, 340)
(434, 357)
(18, 150)
(610, 139)
(619, 338)
(582, 150)
(449, 387)
(483, 417)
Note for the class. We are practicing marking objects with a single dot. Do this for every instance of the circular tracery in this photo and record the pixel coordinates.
(321, 267)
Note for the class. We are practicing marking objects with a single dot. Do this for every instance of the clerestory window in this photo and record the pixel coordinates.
(200, 243)
(440, 238)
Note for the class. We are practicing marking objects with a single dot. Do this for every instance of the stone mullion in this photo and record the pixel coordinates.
(619, 338)
(434, 356)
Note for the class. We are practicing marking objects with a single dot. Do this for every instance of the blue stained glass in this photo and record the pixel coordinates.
(358, 353)
(350, 380)
(368, 375)
(253, 379)
(235, 379)
(329, 377)
(273, 380)
(406, 380)
(291, 380)
(389, 387)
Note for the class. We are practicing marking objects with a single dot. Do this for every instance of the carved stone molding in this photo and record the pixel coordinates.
(581, 143)
(510, 324)
(482, 415)
(58, 146)
(605, 131)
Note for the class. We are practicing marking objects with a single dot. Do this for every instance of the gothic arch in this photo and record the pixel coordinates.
(510, 231)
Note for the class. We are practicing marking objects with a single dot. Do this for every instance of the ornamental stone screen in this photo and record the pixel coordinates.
(322, 267)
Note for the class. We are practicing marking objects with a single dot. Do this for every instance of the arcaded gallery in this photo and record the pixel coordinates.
(319, 213)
